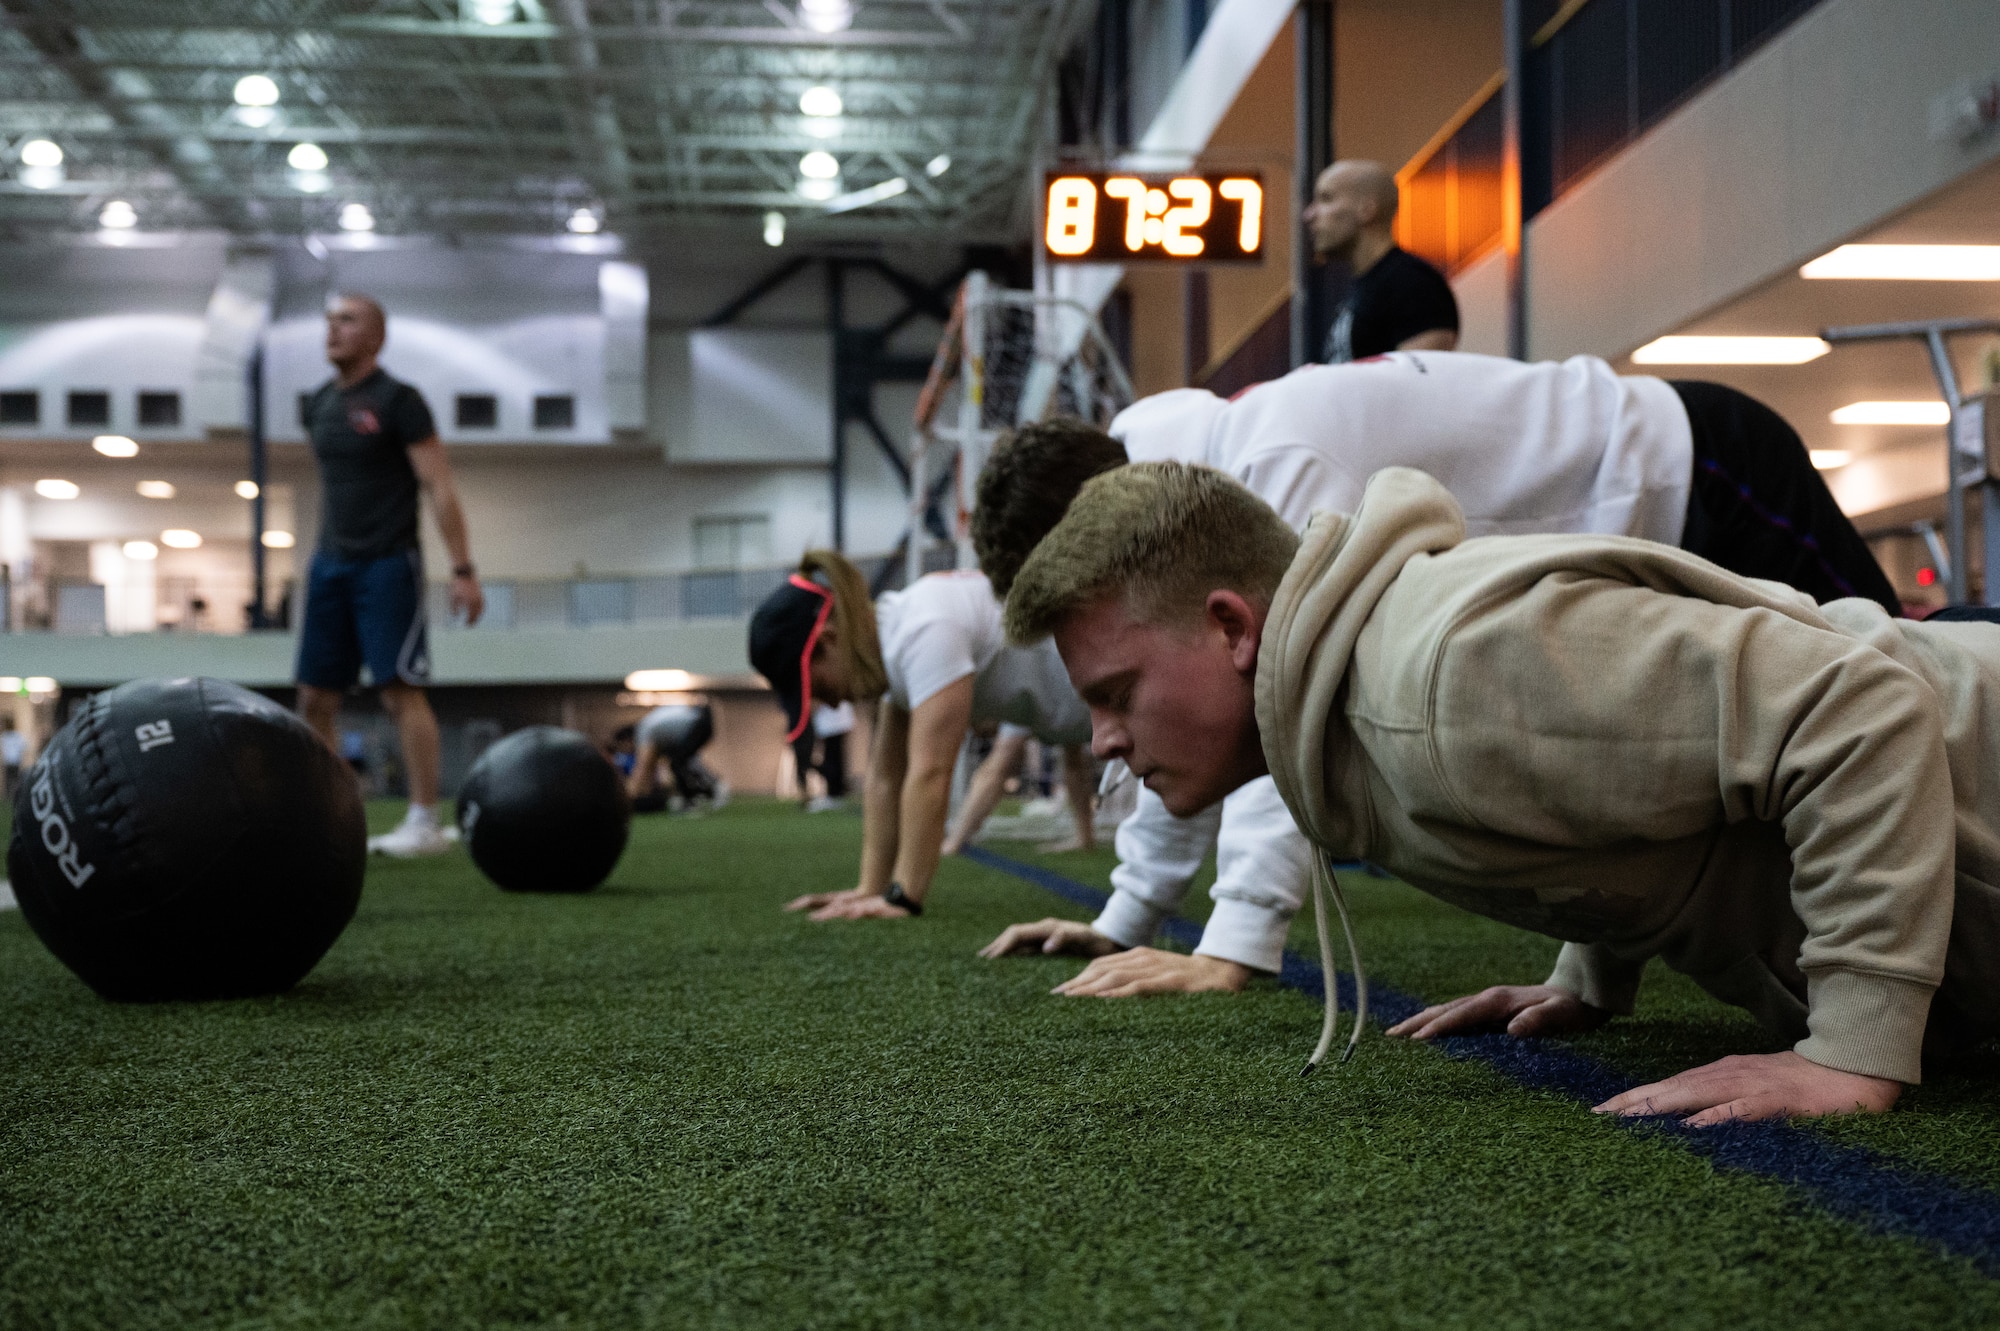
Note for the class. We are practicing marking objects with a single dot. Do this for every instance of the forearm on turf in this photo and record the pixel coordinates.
(937, 731)
(988, 783)
(881, 796)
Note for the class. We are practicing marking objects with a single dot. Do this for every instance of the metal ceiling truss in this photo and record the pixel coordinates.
(654, 114)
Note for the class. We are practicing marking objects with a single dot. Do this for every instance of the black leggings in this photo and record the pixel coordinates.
(1757, 507)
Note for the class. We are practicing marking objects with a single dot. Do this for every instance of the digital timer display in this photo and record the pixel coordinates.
(1114, 218)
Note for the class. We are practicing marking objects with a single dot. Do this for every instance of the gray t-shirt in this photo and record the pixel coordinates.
(362, 436)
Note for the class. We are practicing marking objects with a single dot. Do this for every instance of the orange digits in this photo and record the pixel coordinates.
(1174, 238)
(1072, 216)
(1249, 194)
(1134, 193)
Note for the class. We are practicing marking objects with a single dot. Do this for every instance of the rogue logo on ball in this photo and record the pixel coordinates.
(1121, 218)
(55, 832)
(153, 736)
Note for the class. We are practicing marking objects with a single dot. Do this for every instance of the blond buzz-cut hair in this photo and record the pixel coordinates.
(1160, 535)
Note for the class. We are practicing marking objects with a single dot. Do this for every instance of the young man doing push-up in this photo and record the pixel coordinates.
(1602, 739)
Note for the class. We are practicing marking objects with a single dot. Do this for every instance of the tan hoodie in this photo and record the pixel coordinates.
(1618, 744)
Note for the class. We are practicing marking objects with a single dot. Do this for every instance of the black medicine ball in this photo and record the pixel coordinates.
(187, 839)
(543, 811)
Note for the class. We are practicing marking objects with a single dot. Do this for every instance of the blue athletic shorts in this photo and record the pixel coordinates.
(364, 611)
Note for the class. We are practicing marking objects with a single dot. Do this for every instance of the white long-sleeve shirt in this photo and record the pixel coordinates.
(1557, 446)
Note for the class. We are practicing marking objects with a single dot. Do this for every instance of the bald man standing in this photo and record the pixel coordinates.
(378, 451)
(1398, 302)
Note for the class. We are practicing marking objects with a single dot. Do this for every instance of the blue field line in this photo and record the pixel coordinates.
(1851, 1182)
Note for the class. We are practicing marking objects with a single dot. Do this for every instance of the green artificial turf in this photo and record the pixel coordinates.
(668, 1104)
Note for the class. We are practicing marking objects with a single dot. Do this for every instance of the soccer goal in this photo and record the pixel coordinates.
(1007, 358)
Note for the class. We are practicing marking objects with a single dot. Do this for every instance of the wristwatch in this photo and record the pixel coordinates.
(461, 570)
(896, 896)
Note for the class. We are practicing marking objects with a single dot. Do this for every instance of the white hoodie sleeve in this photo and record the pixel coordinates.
(1262, 861)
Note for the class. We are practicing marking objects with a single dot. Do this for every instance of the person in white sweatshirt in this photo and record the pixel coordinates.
(1565, 446)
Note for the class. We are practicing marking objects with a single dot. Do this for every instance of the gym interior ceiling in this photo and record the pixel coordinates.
(457, 117)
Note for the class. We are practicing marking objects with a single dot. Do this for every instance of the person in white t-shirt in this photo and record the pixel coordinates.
(1566, 446)
(936, 656)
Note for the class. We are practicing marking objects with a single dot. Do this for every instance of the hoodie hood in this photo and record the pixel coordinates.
(1343, 568)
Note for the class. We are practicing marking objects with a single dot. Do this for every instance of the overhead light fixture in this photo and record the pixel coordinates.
(39, 684)
(938, 165)
(118, 215)
(255, 117)
(279, 540)
(115, 446)
(41, 164)
(141, 550)
(246, 490)
(819, 191)
(774, 228)
(180, 538)
(1893, 413)
(819, 165)
(1830, 459)
(310, 182)
(306, 157)
(1909, 263)
(584, 222)
(820, 100)
(54, 488)
(659, 681)
(826, 15)
(11, 684)
(356, 217)
(1720, 350)
(861, 198)
(489, 13)
(156, 489)
(256, 90)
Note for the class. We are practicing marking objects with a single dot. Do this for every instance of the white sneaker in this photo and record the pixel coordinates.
(411, 840)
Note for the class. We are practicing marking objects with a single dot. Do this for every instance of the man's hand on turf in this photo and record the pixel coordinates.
(1050, 937)
(1148, 970)
(817, 900)
(866, 906)
(1745, 1087)
(1521, 1010)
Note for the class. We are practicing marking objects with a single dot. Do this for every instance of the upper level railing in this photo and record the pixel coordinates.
(1599, 73)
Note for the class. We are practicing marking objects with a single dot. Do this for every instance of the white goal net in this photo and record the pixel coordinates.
(1007, 358)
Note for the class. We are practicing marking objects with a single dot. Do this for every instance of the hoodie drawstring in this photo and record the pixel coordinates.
(1325, 883)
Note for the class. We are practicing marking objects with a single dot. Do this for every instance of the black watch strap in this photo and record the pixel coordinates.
(896, 896)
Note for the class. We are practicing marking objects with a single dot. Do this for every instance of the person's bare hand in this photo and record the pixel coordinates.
(1050, 937)
(865, 907)
(1063, 845)
(952, 845)
(815, 900)
(1521, 1010)
(1746, 1087)
(468, 599)
(1148, 970)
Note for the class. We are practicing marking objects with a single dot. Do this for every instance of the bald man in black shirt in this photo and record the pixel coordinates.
(1397, 302)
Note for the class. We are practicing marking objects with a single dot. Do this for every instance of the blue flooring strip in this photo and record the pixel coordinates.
(1850, 1182)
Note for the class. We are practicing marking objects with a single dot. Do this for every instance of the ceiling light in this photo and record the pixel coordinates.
(659, 681)
(356, 217)
(584, 222)
(492, 13)
(824, 129)
(256, 117)
(279, 540)
(1909, 263)
(861, 198)
(938, 165)
(819, 191)
(1730, 351)
(10, 684)
(310, 182)
(820, 100)
(246, 490)
(156, 489)
(141, 550)
(40, 152)
(256, 90)
(115, 446)
(826, 15)
(180, 538)
(819, 165)
(52, 488)
(39, 684)
(306, 157)
(1893, 413)
(1830, 459)
(774, 228)
(118, 215)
